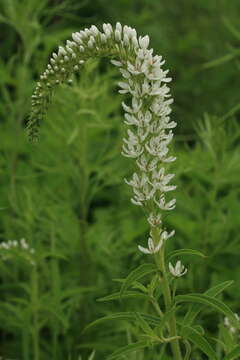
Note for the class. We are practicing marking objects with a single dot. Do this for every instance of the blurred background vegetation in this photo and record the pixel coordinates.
(66, 195)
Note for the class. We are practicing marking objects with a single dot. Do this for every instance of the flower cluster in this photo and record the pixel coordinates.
(15, 247)
(146, 114)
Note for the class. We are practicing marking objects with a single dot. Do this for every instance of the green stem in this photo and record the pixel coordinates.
(84, 255)
(35, 313)
(56, 288)
(157, 307)
(25, 342)
(160, 261)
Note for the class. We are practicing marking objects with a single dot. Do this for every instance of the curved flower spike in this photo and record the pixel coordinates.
(147, 112)
(179, 269)
(152, 249)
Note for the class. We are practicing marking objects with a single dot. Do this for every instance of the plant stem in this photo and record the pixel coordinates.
(25, 342)
(160, 261)
(84, 254)
(35, 313)
(56, 288)
(157, 307)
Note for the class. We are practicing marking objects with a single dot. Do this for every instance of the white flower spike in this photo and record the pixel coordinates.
(147, 115)
(179, 269)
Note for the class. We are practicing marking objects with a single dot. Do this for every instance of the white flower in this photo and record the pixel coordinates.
(103, 38)
(125, 73)
(143, 41)
(154, 219)
(142, 192)
(132, 138)
(94, 30)
(136, 105)
(163, 205)
(77, 38)
(137, 181)
(130, 119)
(132, 151)
(125, 87)
(169, 159)
(229, 325)
(24, 244)
(116, 63)
(179, 269)
(107, 30)
(165, 235)
(119, 27)
(152, 249)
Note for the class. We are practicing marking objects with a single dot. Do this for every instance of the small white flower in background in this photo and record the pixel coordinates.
(179, 269)
(229, 325)
(17, 247)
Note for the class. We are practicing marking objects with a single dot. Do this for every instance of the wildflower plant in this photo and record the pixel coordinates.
(149, 132)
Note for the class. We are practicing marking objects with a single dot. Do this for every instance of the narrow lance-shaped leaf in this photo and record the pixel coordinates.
(126, 295)
(184, 252)
(198, 340)
(128, 349)
(216, 304)
(127, 316)
(212, 292)
(234, 354)
(166, 317)
(136, 274)
(144, 325)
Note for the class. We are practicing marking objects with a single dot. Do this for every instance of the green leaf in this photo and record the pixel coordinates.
(226, 337)
(136, 274)
(221, 60)
(188, 349)
(234, 354)
(231, 28)
(137, 285)
(126, 295)
(209, 301)
(144, 325)
(152, 320)
(164, 320)
(49, 254)
(199, 329)
(196, 308)
(128, 349)
(153, 284)
(217, 289)
(127, 316)
(198, 340)
(184, 252)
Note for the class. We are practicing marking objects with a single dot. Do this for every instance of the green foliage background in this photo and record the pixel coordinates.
(66, 194)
